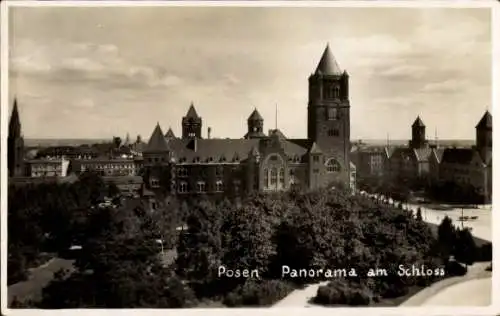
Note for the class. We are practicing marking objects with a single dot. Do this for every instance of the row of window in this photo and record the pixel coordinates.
(200, 186)
(183, 172)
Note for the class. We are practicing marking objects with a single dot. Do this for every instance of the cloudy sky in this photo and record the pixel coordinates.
(99, 72)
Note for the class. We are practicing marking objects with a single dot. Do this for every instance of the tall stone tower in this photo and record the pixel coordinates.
(191, 124)
(418, 134)
(328, 122)
(15, 145)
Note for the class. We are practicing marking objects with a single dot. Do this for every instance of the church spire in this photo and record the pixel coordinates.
(328, 65)
(15, 122)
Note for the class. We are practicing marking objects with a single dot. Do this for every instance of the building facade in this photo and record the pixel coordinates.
(259, 162)
(471, 166)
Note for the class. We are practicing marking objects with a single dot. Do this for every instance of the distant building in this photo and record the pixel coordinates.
(472, 165)
(369, 162)
(259, 162)
(47, 167)
(410, 164)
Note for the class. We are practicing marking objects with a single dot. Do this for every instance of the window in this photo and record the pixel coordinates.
(236, 184)
(266, 178)
(155, 183)
(291, 172)
(183, 187)
(332, 165)
(282, 176)
(315, 158)
(219, 171)
(182, 172)
(219, 186)
(316, 171)
(273, 158)
(332, 114)
(201, 186)
(336, 92)
(274, 176)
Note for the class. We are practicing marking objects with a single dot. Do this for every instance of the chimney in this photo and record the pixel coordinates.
(209, 132)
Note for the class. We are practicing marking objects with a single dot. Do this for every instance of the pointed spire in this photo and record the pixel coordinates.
(328, 65)
(486, 121)
(157, 142)
(192, 112)
(255, 116)
(15, 122)
(170, 133)
(418, 122)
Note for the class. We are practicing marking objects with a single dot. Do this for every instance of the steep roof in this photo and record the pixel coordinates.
(328, 65)
(423, 154)
(462, 156)
(438, 153)
(228, 150)
(486, 121)
(418, 122)
(157, 142)
(255, 116)
(191, 113)
(170, 133)
(315, 149)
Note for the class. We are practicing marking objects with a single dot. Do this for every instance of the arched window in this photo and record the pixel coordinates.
(332, 165)
(336, 92)
(282, 176)
(266, 178)
(274, 176)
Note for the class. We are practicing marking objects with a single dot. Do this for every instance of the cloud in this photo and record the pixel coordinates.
(447, 86)
(87, 63)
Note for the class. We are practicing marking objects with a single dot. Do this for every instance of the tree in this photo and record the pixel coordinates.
(465, 249)
(419, 214)
(117, 141)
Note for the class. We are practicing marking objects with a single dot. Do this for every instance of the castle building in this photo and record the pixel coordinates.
(412, 163)
(471, 166)
(259, 162)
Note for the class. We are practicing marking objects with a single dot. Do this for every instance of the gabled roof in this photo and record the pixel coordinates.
(438, 153)
(191, 113)
(462, 156)
(255, 116)
(328, 65)
(486, 121)
(388, 151)
(170, 133)
(423, 154)
(418, 122)
(157, 142)
(315, 149)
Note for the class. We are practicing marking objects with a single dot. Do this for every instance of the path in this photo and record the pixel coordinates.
(470, 293)
(440, 292)
(38, 279)
(300, 297)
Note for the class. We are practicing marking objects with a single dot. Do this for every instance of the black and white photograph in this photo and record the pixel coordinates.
(199, 156)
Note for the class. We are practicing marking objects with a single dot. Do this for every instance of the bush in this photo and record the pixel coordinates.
(454, 268)
(485, 253)
(343, 293)
(258, 293)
